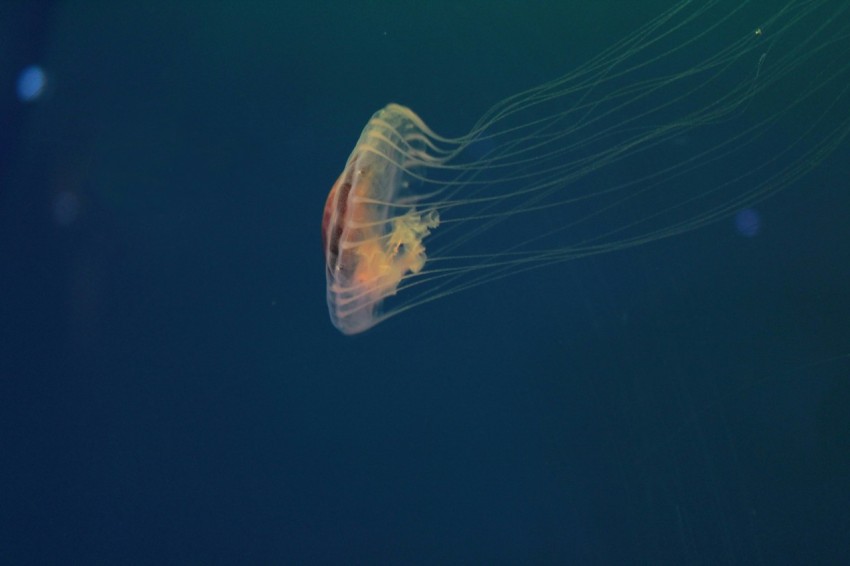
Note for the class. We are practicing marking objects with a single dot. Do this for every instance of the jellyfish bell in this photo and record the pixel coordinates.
(645, 141)
(372, 229)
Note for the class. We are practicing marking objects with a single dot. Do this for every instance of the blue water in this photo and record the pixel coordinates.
(172, 391)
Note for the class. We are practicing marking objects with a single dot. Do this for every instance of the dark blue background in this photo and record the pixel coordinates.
(171, 390)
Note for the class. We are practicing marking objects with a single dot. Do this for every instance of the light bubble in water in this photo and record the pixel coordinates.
(66, 208)
(31, 83)
(748, 222)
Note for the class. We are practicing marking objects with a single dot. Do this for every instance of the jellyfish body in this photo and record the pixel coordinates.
(622, 151)
(372, 230)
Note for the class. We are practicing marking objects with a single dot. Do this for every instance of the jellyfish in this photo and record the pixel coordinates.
(701, 113)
